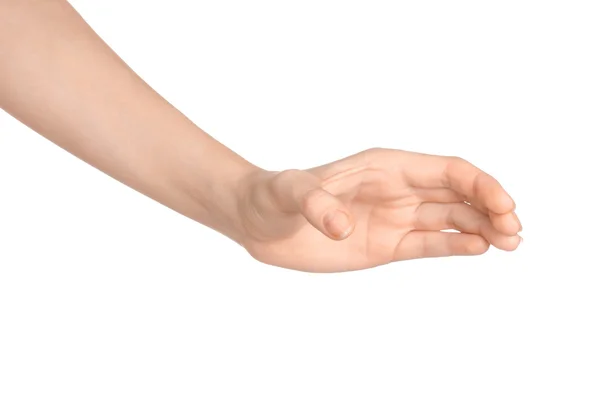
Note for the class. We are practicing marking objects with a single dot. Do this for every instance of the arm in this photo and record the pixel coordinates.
(375, 207)
(59, 78)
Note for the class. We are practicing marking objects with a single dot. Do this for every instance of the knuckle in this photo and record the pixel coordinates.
(459, 161)
(456, 161)
(452, 164)
(374, 155)
(374, 150)
(286, 175)
(284, 180)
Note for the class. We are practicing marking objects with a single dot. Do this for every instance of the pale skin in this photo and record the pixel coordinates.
(372, 208)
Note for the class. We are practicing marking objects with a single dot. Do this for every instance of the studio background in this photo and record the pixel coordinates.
(105, 292)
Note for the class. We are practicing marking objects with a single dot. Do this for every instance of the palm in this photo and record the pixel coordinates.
(395, 216)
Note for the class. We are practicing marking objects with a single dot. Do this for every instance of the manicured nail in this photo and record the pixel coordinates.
(338, 224)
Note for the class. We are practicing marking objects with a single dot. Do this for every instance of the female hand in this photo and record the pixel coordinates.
(373, 208)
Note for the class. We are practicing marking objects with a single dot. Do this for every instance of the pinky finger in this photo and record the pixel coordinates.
(426, 244)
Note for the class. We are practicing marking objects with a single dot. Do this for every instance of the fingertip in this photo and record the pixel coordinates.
(503, 203)
(339, 224)
(511, 243)
(509, 203)
(469, 244)
(477, 246)
(517, 221)
(507, 224)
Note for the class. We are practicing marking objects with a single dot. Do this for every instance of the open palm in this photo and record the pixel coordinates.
(376, 207)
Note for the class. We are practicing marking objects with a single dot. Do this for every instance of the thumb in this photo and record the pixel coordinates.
(301, 191)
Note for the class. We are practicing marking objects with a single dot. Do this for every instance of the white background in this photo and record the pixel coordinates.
(104, 292)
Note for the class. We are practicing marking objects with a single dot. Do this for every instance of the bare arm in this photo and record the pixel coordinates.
(59, 78)
(377, 206)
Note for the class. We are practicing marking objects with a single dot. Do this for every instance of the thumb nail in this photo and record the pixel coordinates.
(338, 224)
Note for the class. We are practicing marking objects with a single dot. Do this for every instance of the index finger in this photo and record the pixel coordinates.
(430, 171)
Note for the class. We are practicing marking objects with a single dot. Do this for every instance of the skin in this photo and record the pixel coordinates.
(375, 207)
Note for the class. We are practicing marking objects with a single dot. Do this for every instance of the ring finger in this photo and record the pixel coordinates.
(463, 218)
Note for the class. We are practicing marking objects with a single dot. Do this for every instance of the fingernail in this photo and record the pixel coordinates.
(338, 224)
(520, 240)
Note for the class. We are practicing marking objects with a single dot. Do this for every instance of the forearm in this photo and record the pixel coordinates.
(59, 78)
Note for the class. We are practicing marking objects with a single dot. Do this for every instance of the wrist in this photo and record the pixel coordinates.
(252, 194)
(219, 195)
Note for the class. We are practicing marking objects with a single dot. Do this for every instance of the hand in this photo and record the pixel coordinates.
(373, 208)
